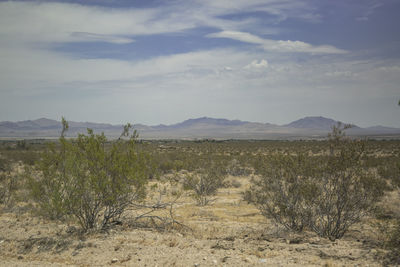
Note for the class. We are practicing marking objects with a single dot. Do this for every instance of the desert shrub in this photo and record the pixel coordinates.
(88, 182)
(234, 168)
(22, 145)
(4, 165)
(10, 183)
(235, 183)
(205, 181)
(390, 169)
(27, 157)
(326, 194)
(345, 190)
(6, 186)
(393, 244)
(282, 191)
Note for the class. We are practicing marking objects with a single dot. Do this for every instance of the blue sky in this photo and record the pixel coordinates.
(159, 61)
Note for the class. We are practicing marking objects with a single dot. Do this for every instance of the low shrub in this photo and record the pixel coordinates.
(205, 181)
(325, 194)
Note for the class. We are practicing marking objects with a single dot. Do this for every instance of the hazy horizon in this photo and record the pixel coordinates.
(163, 62)
(203, 117)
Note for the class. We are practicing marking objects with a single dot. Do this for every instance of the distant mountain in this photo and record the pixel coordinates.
(51, 128)
(207, 121)
(198, 128)
(315, 123)
(36, 124)
(43, 122)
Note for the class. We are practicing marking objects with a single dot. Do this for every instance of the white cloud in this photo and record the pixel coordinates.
(258, 64)
(280, 9)
(175, 87)
(369, 10)
(33, 22)
(345, 74)
(92, 37)
(277, 45)
(61, 22)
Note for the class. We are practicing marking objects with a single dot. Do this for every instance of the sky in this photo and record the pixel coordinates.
(165, 61)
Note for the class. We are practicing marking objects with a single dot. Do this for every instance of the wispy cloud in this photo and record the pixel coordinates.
(278, 45)
(65, 22)
(92, 37)
(58, 22)
(369, 10)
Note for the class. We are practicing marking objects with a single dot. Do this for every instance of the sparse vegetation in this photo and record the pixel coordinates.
(324, 186)
(326, 194)
(283, 190)
(85, 180)
(205, 181)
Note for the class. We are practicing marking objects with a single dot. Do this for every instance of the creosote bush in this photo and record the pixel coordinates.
(205, 181)
(8, 185)
(283, 191)
(10, 182)
(325, 194)
(87, 181)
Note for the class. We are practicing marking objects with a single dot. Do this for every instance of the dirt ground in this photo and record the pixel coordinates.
(228, 232)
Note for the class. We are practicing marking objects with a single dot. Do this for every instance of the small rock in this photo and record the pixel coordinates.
(215, 261)
(225, 259)
(205, 258)
(263, 260)
(74, 253)
(20, 257)
(196, 264)
(114, 260)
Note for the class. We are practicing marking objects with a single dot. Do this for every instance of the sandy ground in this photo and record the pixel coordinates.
(229, 232)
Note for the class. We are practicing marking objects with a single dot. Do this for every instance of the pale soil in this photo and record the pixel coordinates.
(229, 232)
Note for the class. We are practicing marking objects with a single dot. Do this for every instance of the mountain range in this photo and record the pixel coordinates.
(199, 128)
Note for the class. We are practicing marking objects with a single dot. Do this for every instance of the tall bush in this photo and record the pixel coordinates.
(346, 190)
(88, 180)
(282, 190)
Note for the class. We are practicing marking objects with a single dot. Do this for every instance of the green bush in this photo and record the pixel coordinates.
(282, 191)
(390, 169)
(87, 181)
(205, 181)
(325, 194)
(10, 183)
(346, 191)
(4, 165)
(393, 244)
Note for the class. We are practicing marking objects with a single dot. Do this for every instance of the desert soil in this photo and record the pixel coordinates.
(228, 232)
